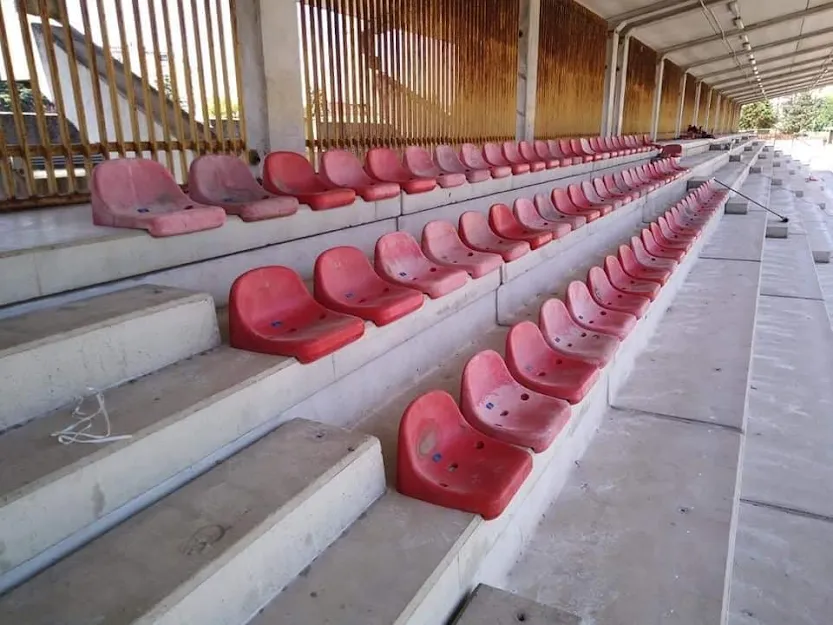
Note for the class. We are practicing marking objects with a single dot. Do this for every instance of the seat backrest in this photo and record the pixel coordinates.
(599, 283)
(263, 295)
(290, 172)
(525, 343)
(475, 228)
(554, 319)
(343, 169)
(542, 150)
(341, 271)
(566, 148)
(502, 220)
(525, 210)
(484, 373)
(628, 259)
(586, 146)
(580, 303)
(418, 162)
(428, 425)
(222, 178)
(398, 254)
(384, 164)
(128, 183)
(601, 190)
(615, 271)
(440, 236)
(472, 157)
(555, 148)
(493, 154)
(561, 199)
(589, 191)
(511, 152)
(447, 160)
(577, 196)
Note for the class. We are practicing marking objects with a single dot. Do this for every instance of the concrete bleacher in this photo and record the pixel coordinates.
(242, 396)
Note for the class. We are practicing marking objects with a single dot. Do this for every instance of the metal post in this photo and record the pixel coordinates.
(621, 84)
(611, 62)
(658, 76)
(682, 105)
(530, 26)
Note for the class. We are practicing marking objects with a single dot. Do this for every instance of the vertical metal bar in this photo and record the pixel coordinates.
(219, 118)
(230, 130)
(370, 82)
(129, 85)
(208, 136)
(161, 88)
(19, 124)
(314, 87)
(303, 11)
(150, 117)
(238, 75)
(7, 186)
(115, 109)
(332, 92)
(172, 68)
(98, 100)
(336, 22)
(40, 115)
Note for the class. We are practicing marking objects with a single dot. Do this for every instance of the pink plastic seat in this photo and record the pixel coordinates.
(472, 158)
(586, 148)
(504, 224)
(289, 173)
(449, 162)
(564, 335)
(562, 201)
(442, 244)
(493, 154)
(589, 191)
(419, 164)
(671, 240)
(271, 312)
(660, 251)
(537, 366)
(513, 155)
(383, 164)
(623, 282)
(639, 271)
(647, 259)
(495, 404)
(589, 314)
(340, 168)
(580, 200)
(346, 282)
(611, 298)
(399, 259)
(140, 193)
(573, 146)
(597, 145)
(538, 151)
(443, 460)
(622, 191)
(224, 180)
(548, 211)
(566, 160)
(682, 226)
(528, 216)
(475, 233)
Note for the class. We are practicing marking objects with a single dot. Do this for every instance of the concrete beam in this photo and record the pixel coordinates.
(781, 58)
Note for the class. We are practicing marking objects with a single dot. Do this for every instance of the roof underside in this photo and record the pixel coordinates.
(791, 41)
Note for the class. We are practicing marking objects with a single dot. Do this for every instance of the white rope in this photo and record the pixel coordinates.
(79, 432)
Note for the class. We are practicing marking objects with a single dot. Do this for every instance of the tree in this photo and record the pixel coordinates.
(757, 115)
(824, 120)
(801, 113)
(24, 94)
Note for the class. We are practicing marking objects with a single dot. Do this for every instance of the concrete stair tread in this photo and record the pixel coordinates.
(216, 549)
(492, 606)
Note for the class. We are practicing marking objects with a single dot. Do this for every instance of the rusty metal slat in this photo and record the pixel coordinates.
(238, 74)
(212, 66)
(198, 38)
(221, 40)
(128, 72)
(149, 114)
(161, 87)
(115, 109)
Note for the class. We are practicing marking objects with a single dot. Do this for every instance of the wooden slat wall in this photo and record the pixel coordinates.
(688, 111)
(571, 65)
(670, 101)
(639, 89)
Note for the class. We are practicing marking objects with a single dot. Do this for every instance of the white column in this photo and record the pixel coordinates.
(658, 76)
(681, 109)
(717, 114)
(530, 27)
(696, 112)
(611, 75)
(708, 110)
(621, 83)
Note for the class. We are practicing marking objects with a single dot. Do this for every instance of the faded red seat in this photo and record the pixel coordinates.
(611, 298)
(224, 180)
(383, 164)
(346, 282)
(536, 365)
(627, 182)
(340, 168)
(617, 189)
(289, 173)
(619, 144)
(472, 158)
(589, 191)
(620, 279)
(564, 203)
(547, 210)
(671, 240)
(140, 193)
(512, 154)
(565, 159)
(493, 154)
(684, 225)
(580, 200)
(660, 251)
(399, 259)
(271, 312)
(573, 146)
(449, 162)
(598, 146)
(538, 152)
(503, 222)
(418, 163)
(495, 404)
(529, 217)
(647, 259)
(443, 460)
(582, 146)
(475, 232)
(442, 244)
(564, 335)
(606, 195)
(589, 314)
(639, 271)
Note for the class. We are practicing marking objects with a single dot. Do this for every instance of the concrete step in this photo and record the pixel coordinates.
(491, 606)
(217, 549)
(51, 356)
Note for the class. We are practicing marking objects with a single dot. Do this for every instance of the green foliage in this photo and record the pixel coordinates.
(24, 94)
(802, 113)
(757, 115)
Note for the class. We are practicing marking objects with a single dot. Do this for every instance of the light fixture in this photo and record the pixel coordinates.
(738, 23)
(747, 46)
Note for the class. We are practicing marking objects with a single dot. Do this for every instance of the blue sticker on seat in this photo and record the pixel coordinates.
(348, 295)
(402, 274)
(142, 210)
(275, 324)
(436, 457)
(490, 405)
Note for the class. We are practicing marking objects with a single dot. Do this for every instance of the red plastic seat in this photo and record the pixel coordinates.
(528, 216)
(442, 244)
(537, 366)
(289, 173)
(513, 155)
(141, 193)
(399, 259)
(271, 312)
(493, 154)
(545, 208)
(443, 460)
(449, 162)
(619, 144)
(589, 191)
(495, 404)
(580, 200)
(565, 159)
(472, 158)
(418, 163)
(639, 271)
(623, 282)
(606, 195)
(627, 182)
(346, 282)
(647, 259)
(619, 189)
(586, 148)
(682, 225)
(569, 149)
(598, 147)
(475, 233)
(564, 335)
(225, 180)
(660, 251)
(564, 203)
(504, 224)
(538, 152)
(671, 241)
(340, 168)
(383, 164)
(611, 298)
(589, 314)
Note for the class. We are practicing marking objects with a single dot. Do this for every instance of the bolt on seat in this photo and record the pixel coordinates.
(400, 260)
(340, 168)
(384, 164)
(442, 244)
(289, 173)
(565, 336)
(476, 233)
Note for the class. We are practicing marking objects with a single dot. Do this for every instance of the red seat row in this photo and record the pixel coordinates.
(469, 457)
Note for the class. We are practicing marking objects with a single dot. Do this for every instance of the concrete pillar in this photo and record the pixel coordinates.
(658, 76)
(681, 108)
(529, 28)
(284, 85)
(717, 114)
(253, 79)
(696, 112)
(611, 75)
(621, 83)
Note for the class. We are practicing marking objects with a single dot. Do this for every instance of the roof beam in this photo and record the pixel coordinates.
(814, 65)
(681, 9)
(768, 61)
(655, 12)
(786, 91)
(784, 82)
(789, 17)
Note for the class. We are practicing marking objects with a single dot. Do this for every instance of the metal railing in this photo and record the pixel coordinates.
(82, 81)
